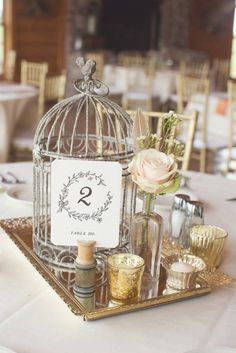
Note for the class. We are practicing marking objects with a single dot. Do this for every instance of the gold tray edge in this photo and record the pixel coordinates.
(146, 304)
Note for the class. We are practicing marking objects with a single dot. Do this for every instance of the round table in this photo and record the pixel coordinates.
(17, 103)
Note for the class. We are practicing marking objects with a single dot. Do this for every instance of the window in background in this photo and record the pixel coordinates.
(1, 36)
(131, 25)
(233, 54)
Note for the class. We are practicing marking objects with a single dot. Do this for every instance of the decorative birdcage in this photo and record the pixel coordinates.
(86, 126)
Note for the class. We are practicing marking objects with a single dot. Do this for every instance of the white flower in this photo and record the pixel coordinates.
(154, 171)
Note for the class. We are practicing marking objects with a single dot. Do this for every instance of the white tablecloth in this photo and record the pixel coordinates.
(34, 319)
(17, 102)
(116, 77)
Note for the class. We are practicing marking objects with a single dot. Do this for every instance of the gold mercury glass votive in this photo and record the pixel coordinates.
(208, 242)
(125, 276)
(183, 270)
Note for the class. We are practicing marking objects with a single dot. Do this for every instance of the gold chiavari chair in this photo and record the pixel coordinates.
(198, 69)
(232, 126)
(128, 53)
(99, 58)
(55, 87)
(194, 93)
(187, 128)
(220, 73)
(9, 67)
(35, 74)
(131, 60)
(140, 74)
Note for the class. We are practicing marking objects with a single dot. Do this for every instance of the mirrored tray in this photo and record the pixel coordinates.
(99, 306)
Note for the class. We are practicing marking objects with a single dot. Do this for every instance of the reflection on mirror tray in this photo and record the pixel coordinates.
(93, 302)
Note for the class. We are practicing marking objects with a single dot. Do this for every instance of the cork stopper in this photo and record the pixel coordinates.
(85, 252)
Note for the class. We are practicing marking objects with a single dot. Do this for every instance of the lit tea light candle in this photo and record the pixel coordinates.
(182, 267)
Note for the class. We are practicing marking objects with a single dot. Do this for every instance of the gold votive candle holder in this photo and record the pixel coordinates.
(208, 242)
(125, 276)
(185, 275)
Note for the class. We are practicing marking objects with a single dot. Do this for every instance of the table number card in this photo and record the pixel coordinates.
(85, 202)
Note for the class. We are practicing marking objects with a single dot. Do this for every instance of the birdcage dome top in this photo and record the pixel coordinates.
(87, 125)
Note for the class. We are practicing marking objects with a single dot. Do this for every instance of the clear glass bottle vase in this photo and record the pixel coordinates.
(146, 239)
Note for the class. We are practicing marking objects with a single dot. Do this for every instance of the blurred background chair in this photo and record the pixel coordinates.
(49, 89)
(55, 87)
(140, 72)
(198, 69)
(193, 94)
(231, 151)
(186, 129)
(220, 74)
(35, 74)
(9, 67)
(124, 54)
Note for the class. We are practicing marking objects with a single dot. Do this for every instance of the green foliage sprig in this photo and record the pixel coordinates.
(166, 142)
(148, 141)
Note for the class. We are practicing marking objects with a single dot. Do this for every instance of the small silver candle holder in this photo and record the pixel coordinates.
(185, 277)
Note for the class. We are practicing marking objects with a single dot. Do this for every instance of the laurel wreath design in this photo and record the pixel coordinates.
(63, 203)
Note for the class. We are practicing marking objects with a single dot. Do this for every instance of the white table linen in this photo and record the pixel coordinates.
(117, 78)
(17, 102)
(34, 319)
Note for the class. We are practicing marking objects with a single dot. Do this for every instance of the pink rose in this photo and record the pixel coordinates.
(153, 171)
